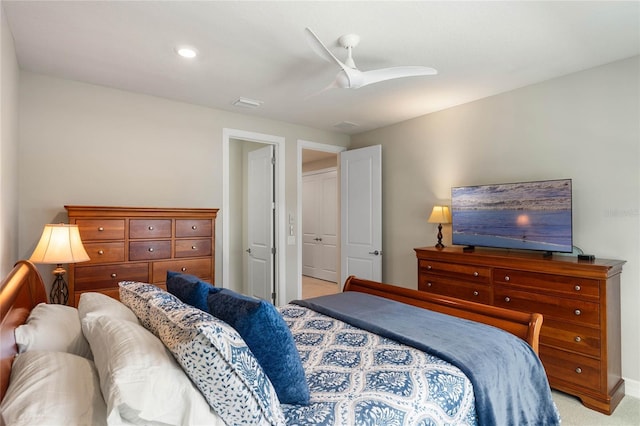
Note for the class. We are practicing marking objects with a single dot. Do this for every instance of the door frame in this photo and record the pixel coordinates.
(228, 135)
(326, 170)
(315, 146)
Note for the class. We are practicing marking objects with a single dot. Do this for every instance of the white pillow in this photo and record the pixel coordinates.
(53, 388)
(52, 328)
(140, 380)
(98, 304)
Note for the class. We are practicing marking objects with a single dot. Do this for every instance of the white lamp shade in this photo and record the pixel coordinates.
(59, 243)
(440, 214)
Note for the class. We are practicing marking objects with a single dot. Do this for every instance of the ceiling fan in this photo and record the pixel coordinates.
(350, 77)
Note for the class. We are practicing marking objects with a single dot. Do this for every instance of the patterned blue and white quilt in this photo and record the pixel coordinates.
(359, 378)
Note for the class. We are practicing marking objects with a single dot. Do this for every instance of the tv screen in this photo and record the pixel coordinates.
(524, 215)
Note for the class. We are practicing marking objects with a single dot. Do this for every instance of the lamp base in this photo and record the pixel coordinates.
(59, 289)
(439, 245)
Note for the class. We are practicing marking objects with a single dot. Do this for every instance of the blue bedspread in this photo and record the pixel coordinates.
(509, 381)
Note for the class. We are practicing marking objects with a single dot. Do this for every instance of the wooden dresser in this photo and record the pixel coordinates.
(140, 244)
(580, 303)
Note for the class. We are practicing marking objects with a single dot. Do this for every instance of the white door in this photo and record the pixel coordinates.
(320, 225)
(361, 213)
(260, 216)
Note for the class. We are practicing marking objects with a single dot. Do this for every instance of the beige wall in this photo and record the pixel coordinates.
(85, 144)
(9, 73)
(583, 126)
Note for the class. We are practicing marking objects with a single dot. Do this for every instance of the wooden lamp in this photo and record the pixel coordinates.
(440, 215)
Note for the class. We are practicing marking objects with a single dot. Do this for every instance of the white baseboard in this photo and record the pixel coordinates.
(632, 388)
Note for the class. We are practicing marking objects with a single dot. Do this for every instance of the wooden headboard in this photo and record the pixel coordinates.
(20, 291)
(522, 324)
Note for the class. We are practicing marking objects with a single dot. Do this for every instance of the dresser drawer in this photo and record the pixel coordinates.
(562, 285)
(448, 287)
(193, 248)
(562, 334)
(149, 250)
(186, 228)
(466, 272)
(150, 228)
(201, 268)
(88, 278)
(105, 252)
(101, 229)
(577, 311)
(570, 368)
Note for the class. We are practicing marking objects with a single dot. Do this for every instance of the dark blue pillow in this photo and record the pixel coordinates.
(190, 289)
(270, 340)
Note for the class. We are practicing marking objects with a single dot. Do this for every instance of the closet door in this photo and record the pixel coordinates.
(320, 225)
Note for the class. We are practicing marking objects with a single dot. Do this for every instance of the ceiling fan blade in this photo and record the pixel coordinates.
(383, 74)
(352, 74)
(331, 86)
(320, 49)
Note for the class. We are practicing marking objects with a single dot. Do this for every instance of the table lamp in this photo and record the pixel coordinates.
(440, 215)
(59, 243)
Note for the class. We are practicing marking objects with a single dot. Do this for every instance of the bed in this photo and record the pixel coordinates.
(363, 358)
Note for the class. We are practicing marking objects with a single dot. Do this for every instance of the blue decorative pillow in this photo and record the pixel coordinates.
(136, 296)
(219, 363)
(190, 289)
(267, 335)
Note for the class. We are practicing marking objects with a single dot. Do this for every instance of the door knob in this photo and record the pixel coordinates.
(248, 250)
(375, 252)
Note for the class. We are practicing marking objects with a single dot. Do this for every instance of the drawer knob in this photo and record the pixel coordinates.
(506, 278)
(507, 299)
(475, 274)
(577, 288)
(475, 293)
(101, 252)
(429, 284)
(194, 248)
(578, 339)
(194, 227)
(150, 249)
(183, 269)
(151, 228)
(429, 267)
(577, 312)
(114, 275)
(100, 229)
(578, 370)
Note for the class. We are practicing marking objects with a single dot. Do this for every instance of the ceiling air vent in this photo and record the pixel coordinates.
(247, 103)
(345, 125)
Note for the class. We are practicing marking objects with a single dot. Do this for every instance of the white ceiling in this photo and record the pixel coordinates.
(258, 50)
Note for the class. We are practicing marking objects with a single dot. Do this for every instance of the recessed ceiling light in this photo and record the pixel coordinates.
(186, 52)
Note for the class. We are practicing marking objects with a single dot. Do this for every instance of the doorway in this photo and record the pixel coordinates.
(317, 159)
(236, 146)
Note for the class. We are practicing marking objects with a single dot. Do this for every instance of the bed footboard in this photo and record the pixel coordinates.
(20, 292)
(523, 325)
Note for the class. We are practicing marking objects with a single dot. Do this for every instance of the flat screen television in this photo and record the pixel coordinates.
(523, 215)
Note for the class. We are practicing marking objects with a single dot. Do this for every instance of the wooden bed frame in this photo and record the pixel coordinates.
(522, 324)
(20, 292)
(23, 289)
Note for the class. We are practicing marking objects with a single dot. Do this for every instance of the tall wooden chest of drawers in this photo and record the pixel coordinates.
(580, 303)
(140, 244)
